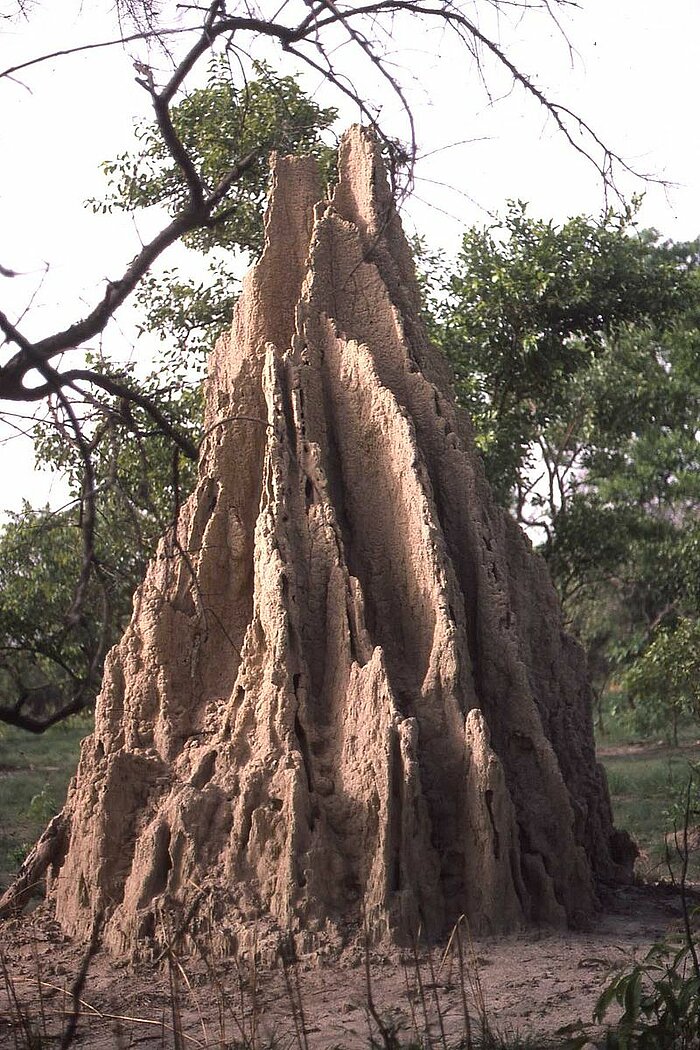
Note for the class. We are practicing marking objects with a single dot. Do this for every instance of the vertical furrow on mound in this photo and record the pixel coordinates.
(391, 550)
(272, 813)
(506, 685)
(363, 198)
(393, 514)
(546, 824)
(556, 665)
(349, 704)
(322, 844)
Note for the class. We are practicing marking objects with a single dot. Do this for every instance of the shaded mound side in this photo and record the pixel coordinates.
(345, 693)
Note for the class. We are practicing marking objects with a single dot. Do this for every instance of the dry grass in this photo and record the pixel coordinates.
(218, 1005)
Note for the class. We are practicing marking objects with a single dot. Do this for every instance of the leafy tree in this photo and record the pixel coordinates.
(57, 622)
(530, 308)
(627, 541)
(576, 352)
(218, 124)
(665, 680)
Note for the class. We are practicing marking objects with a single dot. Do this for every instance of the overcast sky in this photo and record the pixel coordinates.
(632, 75)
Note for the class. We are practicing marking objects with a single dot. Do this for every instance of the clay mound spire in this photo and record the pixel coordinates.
(345, 694)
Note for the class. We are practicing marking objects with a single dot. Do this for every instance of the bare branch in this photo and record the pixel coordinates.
(13, 716)
(117, 41)
(171, 139)
(133, 396)
(12, 335)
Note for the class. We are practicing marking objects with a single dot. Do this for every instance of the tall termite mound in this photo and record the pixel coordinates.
(345, 695)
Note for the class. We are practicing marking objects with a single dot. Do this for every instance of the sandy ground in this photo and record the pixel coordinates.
(532, 983)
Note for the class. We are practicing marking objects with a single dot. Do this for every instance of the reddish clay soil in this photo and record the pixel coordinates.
(533, 983)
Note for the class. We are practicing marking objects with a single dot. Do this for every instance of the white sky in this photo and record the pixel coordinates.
(632, 77)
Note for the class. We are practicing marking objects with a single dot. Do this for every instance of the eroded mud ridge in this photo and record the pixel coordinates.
(345, 695)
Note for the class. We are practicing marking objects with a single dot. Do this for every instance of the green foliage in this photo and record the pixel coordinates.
(530, 308)
(665, 680)
(39, 565)
(44, 657)
(577, 353)
(220, 126)
(187, 315)
(43, 806)
(658, 1003)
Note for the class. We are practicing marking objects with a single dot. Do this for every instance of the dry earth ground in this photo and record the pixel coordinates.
(533, 983)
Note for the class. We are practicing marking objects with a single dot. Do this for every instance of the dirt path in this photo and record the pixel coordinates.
(532, 983)
(644, 749)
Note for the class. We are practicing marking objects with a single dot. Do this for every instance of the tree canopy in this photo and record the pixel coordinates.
(577, 354)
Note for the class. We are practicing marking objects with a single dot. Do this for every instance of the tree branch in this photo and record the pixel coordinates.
(172, 141)
(147, 35)
(122, 390)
